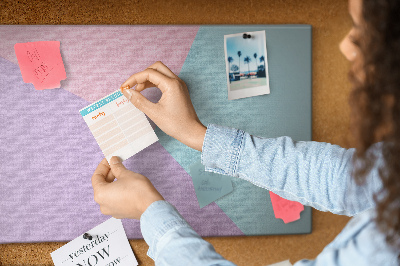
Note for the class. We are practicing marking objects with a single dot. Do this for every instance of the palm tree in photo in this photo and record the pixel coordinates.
(247, 60)
(255, 57)
(230, 60)
(262, 59)
(234, 68)
(239, 54)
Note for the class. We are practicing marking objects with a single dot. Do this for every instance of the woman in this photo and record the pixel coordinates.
(360, 182)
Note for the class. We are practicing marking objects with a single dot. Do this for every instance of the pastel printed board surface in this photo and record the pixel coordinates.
(118, 126)
(47, 138)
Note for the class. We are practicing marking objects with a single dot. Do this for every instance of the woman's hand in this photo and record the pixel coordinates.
(173, 113)
(128, 196)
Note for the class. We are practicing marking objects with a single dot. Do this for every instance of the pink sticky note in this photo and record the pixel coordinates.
(41, 63)
(284, 209)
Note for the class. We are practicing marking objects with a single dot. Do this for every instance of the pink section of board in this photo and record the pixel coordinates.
(98, 59)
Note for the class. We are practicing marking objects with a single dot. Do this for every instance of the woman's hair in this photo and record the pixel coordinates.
(375, 103)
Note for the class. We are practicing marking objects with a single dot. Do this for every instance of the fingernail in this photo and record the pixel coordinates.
(115, 160)
(129, 92)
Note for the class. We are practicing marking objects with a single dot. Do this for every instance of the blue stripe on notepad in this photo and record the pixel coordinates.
(100, 103)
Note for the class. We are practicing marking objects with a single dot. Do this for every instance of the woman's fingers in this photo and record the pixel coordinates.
(143, 86)
(100, 174)
(141, 103)
(110, 177)
(160, 67)
(159, 80)
(157, 66)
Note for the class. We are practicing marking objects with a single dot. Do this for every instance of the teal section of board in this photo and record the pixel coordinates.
(286, 111)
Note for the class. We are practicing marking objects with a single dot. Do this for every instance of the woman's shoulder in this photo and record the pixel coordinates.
(361, 239)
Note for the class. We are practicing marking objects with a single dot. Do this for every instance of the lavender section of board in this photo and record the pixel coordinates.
(48, 156)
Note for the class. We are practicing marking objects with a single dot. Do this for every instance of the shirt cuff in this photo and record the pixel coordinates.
(158, 219)
(221, 151)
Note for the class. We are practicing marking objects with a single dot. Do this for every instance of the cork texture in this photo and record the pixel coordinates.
(330, 22)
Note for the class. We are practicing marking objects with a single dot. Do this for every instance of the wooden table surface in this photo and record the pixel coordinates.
(330, 22)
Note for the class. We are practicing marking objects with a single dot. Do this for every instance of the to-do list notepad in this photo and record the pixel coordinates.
(118, 126)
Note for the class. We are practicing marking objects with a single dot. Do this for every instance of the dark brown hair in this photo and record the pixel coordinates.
(375, 103)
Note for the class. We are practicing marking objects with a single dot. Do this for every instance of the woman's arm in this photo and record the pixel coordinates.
(315, 174)
(312, 173)
(172, 241)
(125, 194)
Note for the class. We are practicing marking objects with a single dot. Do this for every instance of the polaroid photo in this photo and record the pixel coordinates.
(246, 64)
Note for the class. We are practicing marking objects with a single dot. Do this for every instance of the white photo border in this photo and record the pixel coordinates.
(247, 92)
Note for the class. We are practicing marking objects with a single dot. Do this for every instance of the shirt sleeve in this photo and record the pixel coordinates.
(313, 173)
(172, 241)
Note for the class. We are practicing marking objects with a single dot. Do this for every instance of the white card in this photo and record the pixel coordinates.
(118, 126)
(109, 246)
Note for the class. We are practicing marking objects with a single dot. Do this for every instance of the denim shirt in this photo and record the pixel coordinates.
(312, 173)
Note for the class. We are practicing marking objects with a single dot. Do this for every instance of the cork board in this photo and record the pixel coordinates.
(330, 22)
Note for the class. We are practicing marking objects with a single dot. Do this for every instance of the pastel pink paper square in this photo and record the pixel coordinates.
(41, 63)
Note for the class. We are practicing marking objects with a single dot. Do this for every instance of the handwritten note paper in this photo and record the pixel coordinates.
(209, 186)
(41, 64)
(118, 126)
(108, 246)
(288, 211)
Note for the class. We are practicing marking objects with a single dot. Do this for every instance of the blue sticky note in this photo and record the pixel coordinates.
(209, 186)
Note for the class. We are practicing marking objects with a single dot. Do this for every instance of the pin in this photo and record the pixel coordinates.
(246, 36)
(87, 236)
(127, 87)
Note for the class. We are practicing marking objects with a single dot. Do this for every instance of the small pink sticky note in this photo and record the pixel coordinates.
(288, 211)
(41, 63)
